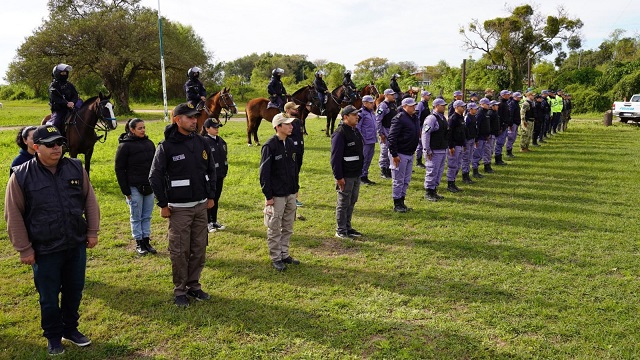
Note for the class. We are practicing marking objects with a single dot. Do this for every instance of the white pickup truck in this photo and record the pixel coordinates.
(627, 110)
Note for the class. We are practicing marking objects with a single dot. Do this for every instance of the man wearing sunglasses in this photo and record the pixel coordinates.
(52, 218)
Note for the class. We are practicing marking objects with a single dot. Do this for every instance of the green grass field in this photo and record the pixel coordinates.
(537, 261)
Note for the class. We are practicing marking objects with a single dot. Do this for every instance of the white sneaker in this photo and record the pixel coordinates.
(211, 228)
(218, 226)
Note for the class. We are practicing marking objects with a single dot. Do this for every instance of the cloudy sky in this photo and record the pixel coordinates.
(342, 31)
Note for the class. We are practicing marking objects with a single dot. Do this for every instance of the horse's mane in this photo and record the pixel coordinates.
(301, 89)
(214, 94)
(89, 101)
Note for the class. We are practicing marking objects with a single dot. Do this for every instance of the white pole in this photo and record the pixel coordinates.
(164, 79)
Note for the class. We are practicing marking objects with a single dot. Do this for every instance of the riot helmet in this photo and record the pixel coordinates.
(194, 73)
(61, 72)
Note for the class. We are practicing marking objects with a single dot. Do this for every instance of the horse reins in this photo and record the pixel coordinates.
(100, 126)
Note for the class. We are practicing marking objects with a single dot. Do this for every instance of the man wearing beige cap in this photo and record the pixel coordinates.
(279, 182)
(292, 111)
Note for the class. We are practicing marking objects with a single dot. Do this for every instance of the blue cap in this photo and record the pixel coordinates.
(494, 102)
(409, 101)
(545, 92)
(389, 92)
(505, 92)
(485, 101)
(458, 103)
(473, 95)
(439, 101)
(367, 98)
(425, 93)
(517, 94)
(471, 106)
(457, 93)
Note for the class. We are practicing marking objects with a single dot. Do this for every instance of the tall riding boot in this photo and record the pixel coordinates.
(431, 195)
(467, 179)
(140, 248)
(148, 246)
(510, 154)
(476, 174)
(488, 169)
(499, 160)
(451, 186)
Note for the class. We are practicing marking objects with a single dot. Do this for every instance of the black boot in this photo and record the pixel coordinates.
(488, 169)
(148, 246)
(397, 206)
(385, 173)
(499, 160)
(451, 186)
(419, 163)
(510, 154)
(535, 143)
(438, 196)
(388, 170)
(467, 179)
(431, 195)
(140, 248)
(403, 204)
(365, 180)
(476, 174)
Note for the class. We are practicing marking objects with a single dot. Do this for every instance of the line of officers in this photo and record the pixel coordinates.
(462, 134)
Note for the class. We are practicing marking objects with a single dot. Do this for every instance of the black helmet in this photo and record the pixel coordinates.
(277, 72)
(61, 71)
(194, 72)
(347, 73)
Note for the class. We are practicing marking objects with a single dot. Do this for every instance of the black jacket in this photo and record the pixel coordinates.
(346, 152)
(494, 122)
(514, 111)
(457, 133)
(219, 152)
(278, 169)
(404, 134)
(275, 87)
(183, 170)
(319, 84)
(483, 122)
(60, 93)
(471, 126)
(505, 115)
(194, 90)
(133, 161)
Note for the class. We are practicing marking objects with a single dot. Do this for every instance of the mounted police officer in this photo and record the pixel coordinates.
(63, 96)
(349, 88)
(321, 89)
(386, 111)
(196, 93)
(393, 85)
(276, 90)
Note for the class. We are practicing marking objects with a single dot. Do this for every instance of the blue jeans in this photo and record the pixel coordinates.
(58, 273)
(141, 208)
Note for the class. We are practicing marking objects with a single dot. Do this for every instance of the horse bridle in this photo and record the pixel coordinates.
(225, 106)
(101, 124)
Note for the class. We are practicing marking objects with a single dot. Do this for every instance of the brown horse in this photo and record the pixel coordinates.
(256, 110)
(96, 114)
(213, 106)
(333, 108)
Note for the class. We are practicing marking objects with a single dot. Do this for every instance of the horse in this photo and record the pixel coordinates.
(213, 106)
(256, 110)
(333, 108)
(96, 114)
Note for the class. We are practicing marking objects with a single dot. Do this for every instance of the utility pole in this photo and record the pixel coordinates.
(464, 79)
(164, 78)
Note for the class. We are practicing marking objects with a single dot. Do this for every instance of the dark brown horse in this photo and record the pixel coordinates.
(333, 108)
(95, 115)
(256, 110)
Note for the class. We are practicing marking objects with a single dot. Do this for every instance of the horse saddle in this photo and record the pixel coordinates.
(272, 105)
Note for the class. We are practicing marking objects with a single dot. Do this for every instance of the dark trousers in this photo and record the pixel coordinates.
(537, 130)
(545, 127)
(555, 120)
(58, 118)
(58, 273)
(213, 212)
(347, 199)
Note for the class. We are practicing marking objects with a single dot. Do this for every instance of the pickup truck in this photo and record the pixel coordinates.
(627, 110)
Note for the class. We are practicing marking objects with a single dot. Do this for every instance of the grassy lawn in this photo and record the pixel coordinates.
(539, 260)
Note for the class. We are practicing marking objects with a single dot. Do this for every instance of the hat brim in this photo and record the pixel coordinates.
(190, 113)
(51, 138)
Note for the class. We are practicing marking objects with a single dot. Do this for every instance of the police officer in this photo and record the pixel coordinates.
(321, 89)
(456, 138)
(52, 218)
(211, 133)
(393, 85)
(276, 90)
(367, 128)
(279, 183)
(483, 123)
(489, 93)
(505, 123)
(63, 96)
(546, 111)
(471, 135)
(183, 178)
(196, 93)
(566, 111)
(539, 115)
(556, 110)
(403, 141)
(514, 115)
(434, 143)
(386, 111)
(349, 88)
(527, 116)
(496, 130)
(292, 111)
(423, 111)
(457, 95)
(346, 164)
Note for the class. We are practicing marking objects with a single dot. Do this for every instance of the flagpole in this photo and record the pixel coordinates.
(164, 79)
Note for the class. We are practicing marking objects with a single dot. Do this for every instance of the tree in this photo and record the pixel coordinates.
(370, 69)
(524, 34)
(117, 41)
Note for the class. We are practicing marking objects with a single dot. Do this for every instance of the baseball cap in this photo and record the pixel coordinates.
(281, 119)
(544, 92)
(457, 93)
(505, 92)
(517, 94)
(349, 109)
(389, 92)
(494, 102)
(367, 98)
(212, 122)
(472, 105)
(484, 101)
(458, 103)
(409, 102)
(46, 133)
(473, 95)
(185, 109)
(425, 93)
(439, 101)
(290, 105)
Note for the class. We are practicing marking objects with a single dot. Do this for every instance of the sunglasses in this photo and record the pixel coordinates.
(51, 144)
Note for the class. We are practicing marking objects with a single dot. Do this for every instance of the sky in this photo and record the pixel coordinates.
(341, 31)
